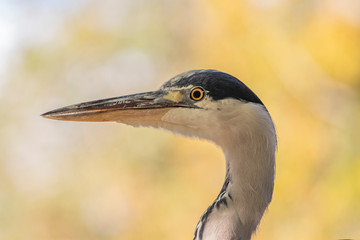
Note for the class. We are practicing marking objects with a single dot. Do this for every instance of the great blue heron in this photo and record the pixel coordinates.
(211, 105)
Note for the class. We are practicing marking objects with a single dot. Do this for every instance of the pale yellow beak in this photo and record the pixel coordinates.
(148, 106)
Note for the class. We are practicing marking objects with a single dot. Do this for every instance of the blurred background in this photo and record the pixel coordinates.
(68, 180)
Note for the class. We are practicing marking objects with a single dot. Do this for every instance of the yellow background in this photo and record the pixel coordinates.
(65, 181)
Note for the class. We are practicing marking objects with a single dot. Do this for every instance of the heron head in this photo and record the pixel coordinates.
(200, 103)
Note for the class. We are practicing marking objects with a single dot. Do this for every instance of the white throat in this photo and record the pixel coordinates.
(250, 160)
(247, 136)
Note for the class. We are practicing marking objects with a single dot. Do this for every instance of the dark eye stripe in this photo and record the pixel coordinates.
(218, 85)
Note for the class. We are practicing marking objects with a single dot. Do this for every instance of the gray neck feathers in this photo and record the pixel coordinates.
(249, 148)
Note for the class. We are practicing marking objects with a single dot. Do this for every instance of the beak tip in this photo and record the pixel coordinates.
(49, 115)
(46, 115)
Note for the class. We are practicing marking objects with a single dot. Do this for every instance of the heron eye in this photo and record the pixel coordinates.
(197, 94)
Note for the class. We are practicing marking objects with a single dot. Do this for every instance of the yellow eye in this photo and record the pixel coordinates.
(197, 94)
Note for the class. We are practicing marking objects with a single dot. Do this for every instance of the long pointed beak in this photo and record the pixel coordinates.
(148, 106)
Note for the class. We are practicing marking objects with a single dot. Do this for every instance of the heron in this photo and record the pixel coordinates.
(215, 106)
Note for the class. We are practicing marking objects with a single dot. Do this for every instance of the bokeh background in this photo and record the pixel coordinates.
(64, 180)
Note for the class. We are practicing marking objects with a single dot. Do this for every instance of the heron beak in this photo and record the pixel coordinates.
(148, 106)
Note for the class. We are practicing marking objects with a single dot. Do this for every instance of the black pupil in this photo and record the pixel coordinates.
(196, 94)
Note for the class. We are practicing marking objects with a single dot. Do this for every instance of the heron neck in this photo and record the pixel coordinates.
(250, 167)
